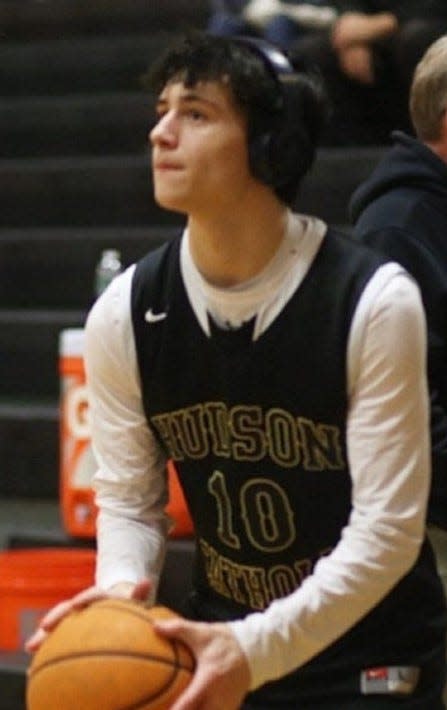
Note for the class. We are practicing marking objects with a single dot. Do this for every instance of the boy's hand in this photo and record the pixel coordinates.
(222, 675)
(122, 590)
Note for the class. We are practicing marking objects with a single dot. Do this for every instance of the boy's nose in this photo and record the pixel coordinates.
(164, 130)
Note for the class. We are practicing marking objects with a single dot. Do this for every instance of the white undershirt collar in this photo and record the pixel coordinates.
(263, 296)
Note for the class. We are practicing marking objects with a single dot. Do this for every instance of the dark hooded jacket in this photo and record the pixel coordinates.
(401, 209)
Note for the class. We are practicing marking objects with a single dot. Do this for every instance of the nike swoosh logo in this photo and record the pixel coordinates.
(151, 317)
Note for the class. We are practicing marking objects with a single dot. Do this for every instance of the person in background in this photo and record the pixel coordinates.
(281, 365)
(367, 58)
(401, 210)
(281, 22)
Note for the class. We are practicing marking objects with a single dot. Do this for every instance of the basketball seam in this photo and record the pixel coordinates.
(134, 611)
(119, 654)
(154, 696)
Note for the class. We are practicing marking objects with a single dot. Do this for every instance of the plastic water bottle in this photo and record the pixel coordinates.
(107, 268)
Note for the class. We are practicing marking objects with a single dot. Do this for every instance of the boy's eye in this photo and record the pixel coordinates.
(195, 114)
(192, 113)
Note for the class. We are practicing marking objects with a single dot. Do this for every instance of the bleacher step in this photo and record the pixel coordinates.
(53, 268)
(29, 362)
(100, 191)
(50, 19)
(29, 450)
(87, 64)
(75, 124)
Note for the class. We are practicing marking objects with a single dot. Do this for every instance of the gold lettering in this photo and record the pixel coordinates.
(258, 592)
(255, 587)
(283, 441)
(302, 568)
(213, 569)
(282, 581)
(321, 445)
(246, 428)
(247, 433)
(217, 418)
(233, 575)
(191, 431)
(163, 424)
(243, 584)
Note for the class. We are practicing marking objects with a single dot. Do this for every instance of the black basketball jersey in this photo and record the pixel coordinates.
(257, 430)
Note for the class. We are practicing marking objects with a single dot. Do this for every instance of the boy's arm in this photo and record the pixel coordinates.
(130, 483)
(388, 449)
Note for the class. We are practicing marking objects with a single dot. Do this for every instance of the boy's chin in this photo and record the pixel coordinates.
(169, 202)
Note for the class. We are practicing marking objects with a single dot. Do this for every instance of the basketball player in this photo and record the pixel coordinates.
(282, 367)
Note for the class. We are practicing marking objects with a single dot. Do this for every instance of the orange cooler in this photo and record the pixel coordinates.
(77, 462)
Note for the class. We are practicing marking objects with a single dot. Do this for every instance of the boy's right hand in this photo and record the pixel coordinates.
(121, 590)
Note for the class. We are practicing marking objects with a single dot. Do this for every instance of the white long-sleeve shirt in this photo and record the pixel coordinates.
(387, 444)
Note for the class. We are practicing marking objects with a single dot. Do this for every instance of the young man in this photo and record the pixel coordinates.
(401, 209)
(282, 367)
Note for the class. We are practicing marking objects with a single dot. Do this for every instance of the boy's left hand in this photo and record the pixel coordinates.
(222, 675)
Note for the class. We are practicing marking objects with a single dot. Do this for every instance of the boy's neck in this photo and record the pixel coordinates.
(236, 248)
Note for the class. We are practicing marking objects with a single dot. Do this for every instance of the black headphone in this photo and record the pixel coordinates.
(284, 153)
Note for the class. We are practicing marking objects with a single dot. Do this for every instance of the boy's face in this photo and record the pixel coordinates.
(200, 155)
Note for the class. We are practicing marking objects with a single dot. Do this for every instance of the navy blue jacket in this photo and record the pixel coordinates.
(401, 209)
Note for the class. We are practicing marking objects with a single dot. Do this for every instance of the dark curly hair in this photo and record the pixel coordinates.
(294, 125)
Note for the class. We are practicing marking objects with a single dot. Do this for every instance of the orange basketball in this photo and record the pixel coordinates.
(108, 657)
